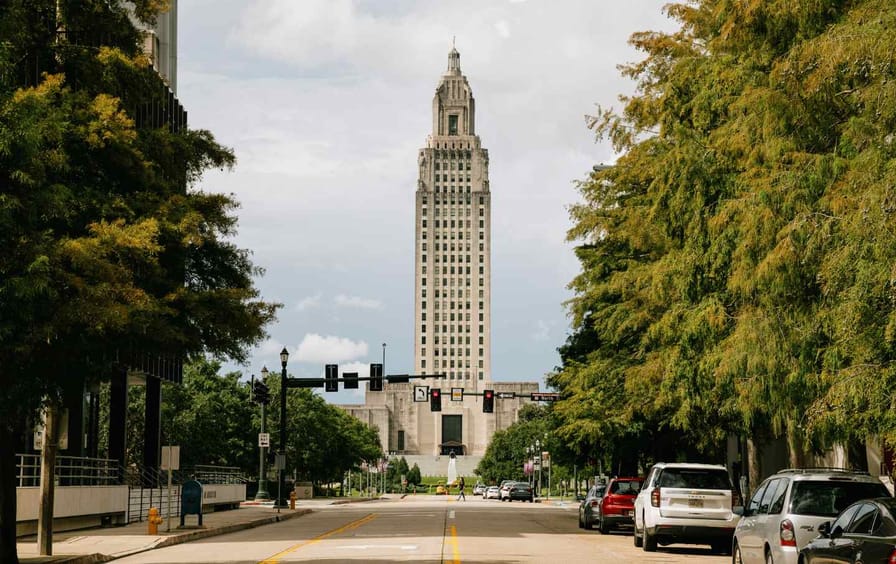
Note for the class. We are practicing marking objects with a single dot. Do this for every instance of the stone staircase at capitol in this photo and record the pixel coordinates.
(431, 465)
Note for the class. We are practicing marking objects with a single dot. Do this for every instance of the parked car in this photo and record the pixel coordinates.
(784, 512)
(617, 506)
(493, 492)
(863, 532)
(588, 507)
(479, 489)
(505, 489)
(686, 503)
(521, 491)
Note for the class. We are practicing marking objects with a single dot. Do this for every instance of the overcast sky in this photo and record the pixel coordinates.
(326, 102)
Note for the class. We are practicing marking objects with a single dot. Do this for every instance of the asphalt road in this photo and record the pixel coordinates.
(426, 529)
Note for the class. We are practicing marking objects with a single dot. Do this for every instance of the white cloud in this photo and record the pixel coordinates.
(542, 330)
(357, 302)
(308, 302)
(503, 28)
(330, 349)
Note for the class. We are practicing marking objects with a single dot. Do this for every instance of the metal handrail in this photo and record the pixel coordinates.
(69, 471)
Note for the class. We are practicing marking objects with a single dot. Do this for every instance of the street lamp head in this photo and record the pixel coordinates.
(284, 357)
(264, 372)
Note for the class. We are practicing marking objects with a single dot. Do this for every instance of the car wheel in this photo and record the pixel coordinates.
(531, 500)
(639, 541)
(769, 559)
(649, 541)
(720, 547)
(736, 558)
(604, 527)
(581, 525)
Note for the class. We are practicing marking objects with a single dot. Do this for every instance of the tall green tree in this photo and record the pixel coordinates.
(108, 247)
(736, 261)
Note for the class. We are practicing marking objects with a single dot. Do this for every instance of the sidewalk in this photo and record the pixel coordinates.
(102, 545)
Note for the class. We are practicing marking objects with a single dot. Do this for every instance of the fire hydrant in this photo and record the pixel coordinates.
(154, 521)
(292, 499)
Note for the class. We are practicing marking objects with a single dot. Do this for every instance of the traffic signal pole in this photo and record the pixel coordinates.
(262, 483)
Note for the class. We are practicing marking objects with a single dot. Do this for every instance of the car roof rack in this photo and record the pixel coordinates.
(819, 469)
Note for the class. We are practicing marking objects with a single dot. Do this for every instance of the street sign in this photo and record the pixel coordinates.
(170, 457)
(304, 382)
(421, 393)
(544, 396)
(546, 458)
(264, 439)
(506, 395)
(350, 380)
(457, 394)
(280, 462)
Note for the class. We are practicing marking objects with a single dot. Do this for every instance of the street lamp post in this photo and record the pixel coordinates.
(281, 488)
(262, 482)
(538, 452)
(384, 359)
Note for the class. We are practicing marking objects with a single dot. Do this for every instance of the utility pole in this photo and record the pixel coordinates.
(47, 482)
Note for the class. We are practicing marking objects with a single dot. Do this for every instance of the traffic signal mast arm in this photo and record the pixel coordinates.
(391, 378)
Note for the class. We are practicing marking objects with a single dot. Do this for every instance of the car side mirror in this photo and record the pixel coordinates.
(836, 532)
(824, 529)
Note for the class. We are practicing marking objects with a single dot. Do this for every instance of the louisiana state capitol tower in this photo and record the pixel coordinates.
(453, 241)
(452, 311)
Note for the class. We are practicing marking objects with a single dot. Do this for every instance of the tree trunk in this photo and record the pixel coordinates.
(795, 445)
(753, 467)
(47, 481)
(8, 438)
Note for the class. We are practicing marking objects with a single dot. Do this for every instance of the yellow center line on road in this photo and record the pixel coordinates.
(455, 550)
(354, 524)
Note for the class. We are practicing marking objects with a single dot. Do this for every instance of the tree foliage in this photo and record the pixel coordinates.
(737, 260)
(109, 248)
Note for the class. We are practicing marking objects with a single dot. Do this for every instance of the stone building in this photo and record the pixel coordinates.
(452, 312)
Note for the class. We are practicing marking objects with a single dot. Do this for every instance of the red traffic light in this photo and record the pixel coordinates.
(435, 393)
(488, 394)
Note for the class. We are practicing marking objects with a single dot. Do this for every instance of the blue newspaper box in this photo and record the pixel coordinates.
(191, 500)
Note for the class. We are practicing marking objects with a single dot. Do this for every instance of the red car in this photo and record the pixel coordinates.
(617, 507)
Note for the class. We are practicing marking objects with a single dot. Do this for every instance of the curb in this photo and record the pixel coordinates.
(182, 538)
(358, 500)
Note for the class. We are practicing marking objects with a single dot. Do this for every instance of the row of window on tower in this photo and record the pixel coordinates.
(454, 212)
(454, 282)
(445, 200)
(445, 328)
(453, 165)
(449, 352)
(458, 235)
(455, 224)
(459, 340)
(453, 317)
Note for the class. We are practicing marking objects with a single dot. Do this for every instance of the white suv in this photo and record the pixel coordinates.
(686, 503)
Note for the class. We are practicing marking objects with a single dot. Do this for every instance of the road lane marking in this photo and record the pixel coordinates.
(354, 524)
(380, 546)
(451, 514)
(455, 550)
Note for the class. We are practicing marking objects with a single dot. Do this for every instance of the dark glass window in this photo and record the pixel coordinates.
(829, 498)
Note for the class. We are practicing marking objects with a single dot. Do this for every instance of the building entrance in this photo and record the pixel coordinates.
(452, 435)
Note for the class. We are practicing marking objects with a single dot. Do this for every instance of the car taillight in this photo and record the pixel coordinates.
(593, 503)
(892, 559)
(655, 497)
(788, 537)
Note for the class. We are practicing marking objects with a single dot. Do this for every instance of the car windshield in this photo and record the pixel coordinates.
(700, 478)
(829, 498)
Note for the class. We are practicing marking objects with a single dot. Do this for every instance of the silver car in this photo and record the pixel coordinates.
(784, 512)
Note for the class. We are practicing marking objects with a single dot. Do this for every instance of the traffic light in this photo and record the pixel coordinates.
(376, 377)
(435, 399)
(331, 378)
(488, 401)
(261, 394)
